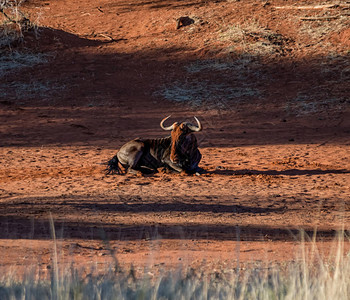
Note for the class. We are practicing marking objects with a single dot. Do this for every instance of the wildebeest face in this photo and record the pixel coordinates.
(178, 135)
(179, 132)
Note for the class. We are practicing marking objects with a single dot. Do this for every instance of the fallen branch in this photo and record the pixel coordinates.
(24, 21)
(324, 6)
(6, 16)
(325, 18)
(106, 36)
(267, 2)
(110, 39)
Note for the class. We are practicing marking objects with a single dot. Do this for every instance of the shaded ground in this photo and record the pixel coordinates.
(271, 91)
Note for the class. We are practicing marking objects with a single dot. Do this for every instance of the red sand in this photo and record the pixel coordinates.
(270, 173)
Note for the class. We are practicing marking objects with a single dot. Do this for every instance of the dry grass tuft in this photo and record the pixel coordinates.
(254, 39)
(310, 277)
(13, 23)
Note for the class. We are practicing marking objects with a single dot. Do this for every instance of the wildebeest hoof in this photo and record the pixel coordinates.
(201, 171)
(133, 171)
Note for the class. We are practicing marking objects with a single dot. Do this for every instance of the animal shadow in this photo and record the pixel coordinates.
(290, 172)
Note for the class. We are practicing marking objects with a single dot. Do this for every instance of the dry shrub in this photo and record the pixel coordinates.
(13, 23)
(253, 38)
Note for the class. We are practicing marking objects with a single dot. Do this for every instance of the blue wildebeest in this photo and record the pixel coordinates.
(178, 152)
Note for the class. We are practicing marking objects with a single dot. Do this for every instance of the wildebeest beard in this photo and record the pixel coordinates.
(178, 136)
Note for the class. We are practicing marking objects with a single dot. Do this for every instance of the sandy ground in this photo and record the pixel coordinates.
(275, 167)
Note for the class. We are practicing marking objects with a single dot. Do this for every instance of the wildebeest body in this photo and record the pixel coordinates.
(178, 152)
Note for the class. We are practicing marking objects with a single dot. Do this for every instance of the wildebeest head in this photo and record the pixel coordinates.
(179, 134)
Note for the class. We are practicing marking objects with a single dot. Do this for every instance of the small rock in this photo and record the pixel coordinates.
(183, 21)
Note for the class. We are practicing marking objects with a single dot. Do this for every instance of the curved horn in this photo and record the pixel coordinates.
(196, 128)
(166, 128)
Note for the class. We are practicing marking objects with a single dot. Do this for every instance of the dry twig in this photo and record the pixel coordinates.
(325, 18)
(308, 7)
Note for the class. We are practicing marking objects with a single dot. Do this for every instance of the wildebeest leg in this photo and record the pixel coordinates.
(134, 167)
(201, 171)
(191, 165)
(129, 155)
(173, 166)
(147, 170)
(143, 163)
(148, 164)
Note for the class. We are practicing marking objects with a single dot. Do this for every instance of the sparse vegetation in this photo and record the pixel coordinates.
(252, 38)
(15, 60)
(13, 24)
(317, 32)
(310, 278)
(29, 90)
(307, 104)
(241, 72)
(241, 67)
(213, 93)
(208, 94)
